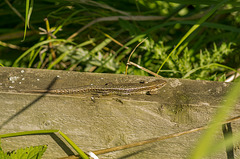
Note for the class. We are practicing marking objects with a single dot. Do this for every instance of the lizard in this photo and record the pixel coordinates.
(109, 88)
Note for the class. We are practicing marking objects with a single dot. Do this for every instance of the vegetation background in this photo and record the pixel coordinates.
(98, 36)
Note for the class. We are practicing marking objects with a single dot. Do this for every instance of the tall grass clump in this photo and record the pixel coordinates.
(186, 39)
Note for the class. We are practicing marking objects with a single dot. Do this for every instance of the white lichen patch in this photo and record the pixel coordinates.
(175, 83)
(219, 89)
(13, 79)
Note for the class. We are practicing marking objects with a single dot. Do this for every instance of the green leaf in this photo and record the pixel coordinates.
(33, 152)
(2, 154)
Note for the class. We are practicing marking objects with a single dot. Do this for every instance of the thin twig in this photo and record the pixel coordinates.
(132, 53)
(138, 66)
(15, 10)
(144, 69)
(101, 5)
(133, 18)
(103, 151)
(114, 40)
(12, 46)
(15, 35)
(158, 138)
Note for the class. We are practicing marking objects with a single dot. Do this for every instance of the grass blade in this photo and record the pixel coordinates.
(36, 46)
(207, 66)
(26, 19)
(204, 18)
(28, 133)
(58, 60)
(79, 151)
(205, 144)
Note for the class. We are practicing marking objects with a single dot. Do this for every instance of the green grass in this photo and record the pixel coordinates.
(187, 38)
